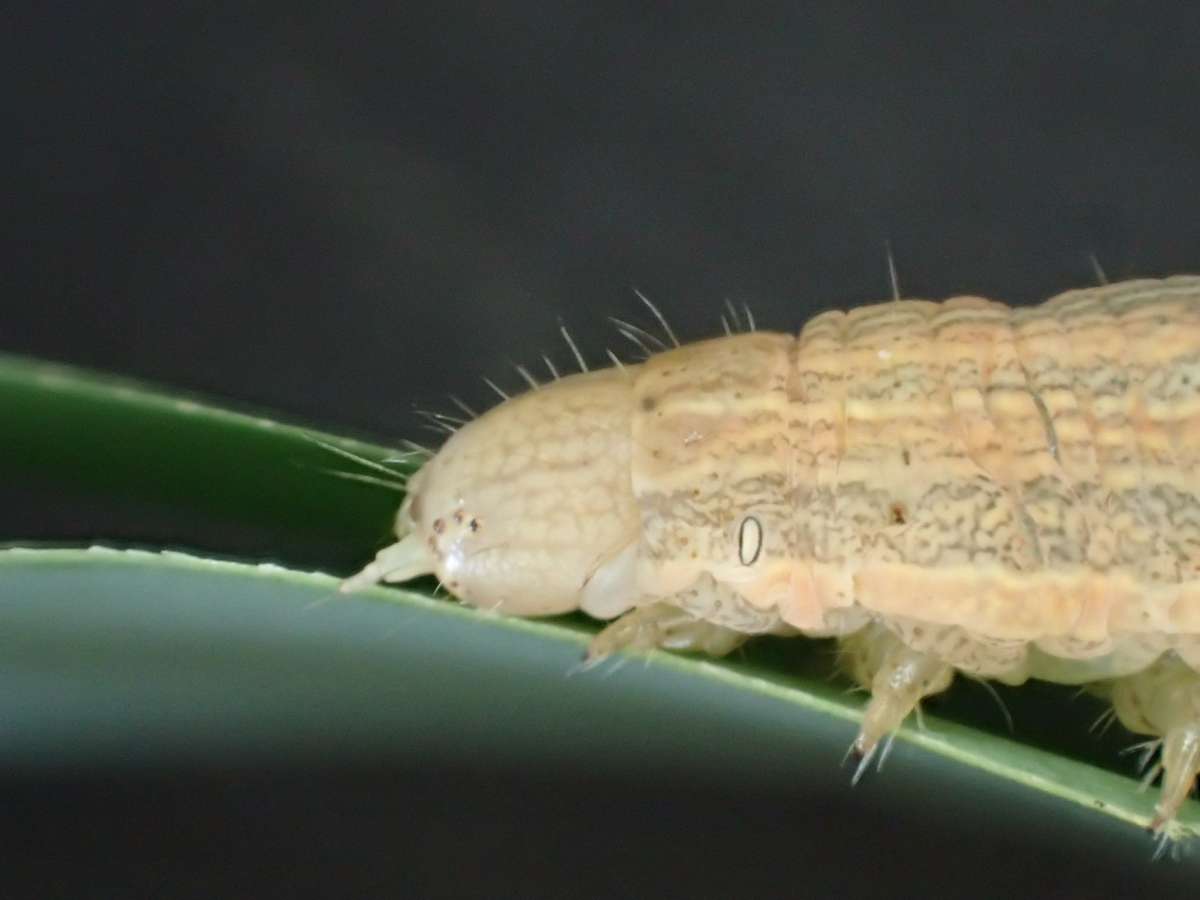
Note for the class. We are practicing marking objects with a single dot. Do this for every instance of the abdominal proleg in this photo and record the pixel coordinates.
(1164, 700)
(897, 676)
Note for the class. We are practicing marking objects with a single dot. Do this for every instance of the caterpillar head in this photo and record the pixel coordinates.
(528, 509)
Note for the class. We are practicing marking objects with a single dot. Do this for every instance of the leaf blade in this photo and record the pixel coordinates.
(463, 639)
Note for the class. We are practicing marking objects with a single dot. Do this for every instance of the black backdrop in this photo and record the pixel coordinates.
(335, 213)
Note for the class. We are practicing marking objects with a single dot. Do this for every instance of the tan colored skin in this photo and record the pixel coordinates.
(956, 486)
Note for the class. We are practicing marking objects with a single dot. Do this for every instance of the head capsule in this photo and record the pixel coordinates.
(528, 509)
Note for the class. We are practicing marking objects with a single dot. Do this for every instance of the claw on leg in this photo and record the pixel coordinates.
(661, 625)
(898, 678)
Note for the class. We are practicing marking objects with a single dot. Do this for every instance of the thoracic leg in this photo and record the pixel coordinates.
(1164, 700)
(662, 625)
(897, 676)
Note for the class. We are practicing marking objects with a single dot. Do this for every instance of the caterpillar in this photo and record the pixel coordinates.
(944, 487)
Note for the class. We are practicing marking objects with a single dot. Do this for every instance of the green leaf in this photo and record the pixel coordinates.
(114, 438)
(125, 655)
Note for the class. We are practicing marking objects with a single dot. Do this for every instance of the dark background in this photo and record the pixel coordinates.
(335, 213)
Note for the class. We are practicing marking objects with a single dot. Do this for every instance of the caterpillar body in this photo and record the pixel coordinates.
(956, 486)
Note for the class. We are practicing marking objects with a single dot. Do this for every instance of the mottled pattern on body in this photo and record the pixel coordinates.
(995, 478)
(943, 487)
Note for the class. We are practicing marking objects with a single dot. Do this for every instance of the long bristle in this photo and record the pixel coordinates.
(456, 421)
(734, 320)
(416, 449)
(407, 457)
(636, 341)
(528, 376)
(662, 320)
(354, 457)
(574, 349)
(398, 486)
(893, 278)
(629, 330)
(436, 422)
(470, 413)
(496, 388)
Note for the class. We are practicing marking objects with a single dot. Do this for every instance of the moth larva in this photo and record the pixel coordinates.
(944, 487)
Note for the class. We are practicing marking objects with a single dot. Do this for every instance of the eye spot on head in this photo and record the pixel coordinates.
(439, 525)
(473, 524)
(749, 540)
